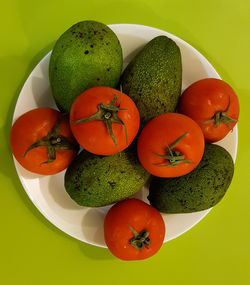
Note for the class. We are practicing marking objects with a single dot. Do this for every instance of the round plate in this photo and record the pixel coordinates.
(48, 193)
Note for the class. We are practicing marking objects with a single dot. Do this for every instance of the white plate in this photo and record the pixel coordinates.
(48, 193)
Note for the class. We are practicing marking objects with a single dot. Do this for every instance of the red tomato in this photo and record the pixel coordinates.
(170, 145)
(133, 230)
(42, 142)
(110, 120)
(213, 104)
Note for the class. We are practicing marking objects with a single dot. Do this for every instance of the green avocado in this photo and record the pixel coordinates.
(95, 181)
(153, 78)
(199, 190)
(88, 54)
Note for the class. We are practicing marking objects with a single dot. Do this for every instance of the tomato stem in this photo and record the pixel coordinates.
(140, 240)
(53, 142)
(221, 118)
(108, 114)
(173, 157)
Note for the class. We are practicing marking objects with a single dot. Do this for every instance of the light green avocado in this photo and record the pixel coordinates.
(88, 54)
(95, 181)
(199, 190)
(153, 78)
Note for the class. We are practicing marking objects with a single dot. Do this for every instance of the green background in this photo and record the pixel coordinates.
(216, 251)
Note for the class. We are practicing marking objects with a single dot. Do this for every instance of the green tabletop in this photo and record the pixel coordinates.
(215, 251)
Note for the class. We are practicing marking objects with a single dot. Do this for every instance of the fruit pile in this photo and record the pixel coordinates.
(130, 127)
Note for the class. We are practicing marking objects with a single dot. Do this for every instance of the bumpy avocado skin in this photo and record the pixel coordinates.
(201, 189)
(153, 78)
(95, 181)
(88, 54)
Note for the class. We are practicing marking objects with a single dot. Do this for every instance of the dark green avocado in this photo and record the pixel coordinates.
(201, 189)
(153, 78)
(95, 181)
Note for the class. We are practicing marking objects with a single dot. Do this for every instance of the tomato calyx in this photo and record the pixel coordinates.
(174, 157)
(140, 240)
(108, 114)
(221, 118)
(53, 142)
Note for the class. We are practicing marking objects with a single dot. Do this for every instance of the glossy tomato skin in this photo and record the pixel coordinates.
(93, 136)
(29, 128)
(203, 99)
(163, 131)
(140, 216)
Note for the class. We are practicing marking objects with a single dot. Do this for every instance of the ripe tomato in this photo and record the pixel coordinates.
(133, 230)
(213, 104)
(103, 120)
(42, 142)
(170, 145)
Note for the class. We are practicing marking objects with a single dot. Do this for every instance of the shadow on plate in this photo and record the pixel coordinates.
(45, 98)
(133, 43)
(56, 190)
(92, 227)
(27, 174)
(38, 82)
